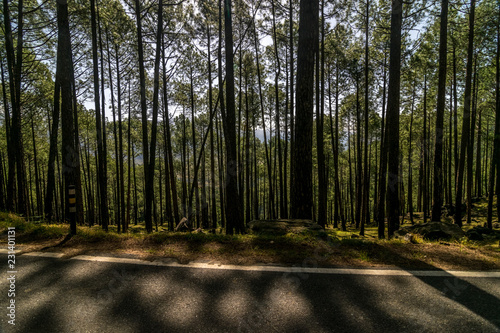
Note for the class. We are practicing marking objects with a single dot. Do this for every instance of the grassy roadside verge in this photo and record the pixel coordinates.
(339, 249)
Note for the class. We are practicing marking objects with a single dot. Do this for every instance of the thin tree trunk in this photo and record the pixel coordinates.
(102, 177)
(466, 117)
(438, 150)
(120, 143)
(115, 137)
(496, 142)
(212, 153)
(277, 103)
(410, 180)
(366, 182)
(261, 98)
(383, 165)
(470, 147)
(425, 153)
(234, 222)
(322, 182)
(144, 114)
(149, 175)
(172, 177)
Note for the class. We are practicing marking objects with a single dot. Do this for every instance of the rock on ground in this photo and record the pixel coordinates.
(481, 233)
(433, 230)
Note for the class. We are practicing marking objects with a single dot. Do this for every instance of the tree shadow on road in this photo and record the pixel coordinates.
(71, 295)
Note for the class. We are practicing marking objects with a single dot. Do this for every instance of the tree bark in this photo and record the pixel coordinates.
(438, 148)
(393, 118)
(466, 117)
(102, 177)
(65, 75)
(301, 189)
(496, 141)
(234, 223)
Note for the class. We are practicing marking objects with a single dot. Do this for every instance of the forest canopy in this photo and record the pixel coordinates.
(359, 113)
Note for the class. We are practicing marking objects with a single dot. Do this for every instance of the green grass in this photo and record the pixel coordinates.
(30, 231)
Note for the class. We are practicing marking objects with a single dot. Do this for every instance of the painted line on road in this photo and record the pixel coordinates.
(278, 269)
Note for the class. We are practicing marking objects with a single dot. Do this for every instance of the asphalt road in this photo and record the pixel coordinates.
(61, 295)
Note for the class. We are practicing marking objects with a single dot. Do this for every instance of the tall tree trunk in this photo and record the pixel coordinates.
(9, 200)
(410, 179)
(425, 153)
(212, 153)
(277, 103)
(256, 170)
(193, 135)
(479, 183)
(51, 181)
(301, 189)
(172, 176)
(261, 99)
(103, 111)
(351, 187)
(16, 129)
(221, 175)
(222, 112)
(393, 117)
(247, 153)
(335, 144)
(466, 117)
(292, 117)
(65, 75)
(6, 196)
(450, 150)
(285, 153)
(102, 177)
(366, 181)
(119, 180)
(455, 114)
(383, 164)
(496, 142)
(168, 197)
(438, 150)
(144, 114)
(470, 148)
(233, 204)
(14, 66)
(129, 158)
(322, 182)
(358, 156)
(120, 143)
(149, 176)
(35, 161)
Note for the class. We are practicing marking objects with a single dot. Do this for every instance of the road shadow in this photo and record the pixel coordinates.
(77, 296)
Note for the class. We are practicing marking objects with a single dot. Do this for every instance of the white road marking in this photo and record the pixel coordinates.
(282, 269)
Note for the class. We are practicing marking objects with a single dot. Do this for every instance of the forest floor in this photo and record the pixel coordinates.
(335, 249)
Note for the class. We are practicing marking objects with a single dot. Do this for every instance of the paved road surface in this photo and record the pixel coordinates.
(61, 295)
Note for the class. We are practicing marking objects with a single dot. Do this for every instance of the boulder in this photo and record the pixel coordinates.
(282, 227)
(433, 230)
(481, 233)
(474, 235)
